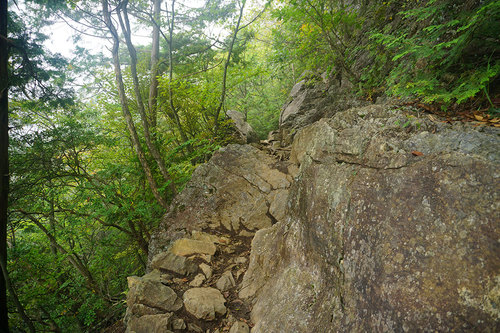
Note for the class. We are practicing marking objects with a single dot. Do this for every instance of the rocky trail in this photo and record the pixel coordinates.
(193, 285)
(350, 218)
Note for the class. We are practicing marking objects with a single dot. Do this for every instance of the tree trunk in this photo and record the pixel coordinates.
(13, 294)
(125, 110)
(226, 65)
(175, 115)
(125, 25)
(74, 260)
(155, 56)
(4, 160)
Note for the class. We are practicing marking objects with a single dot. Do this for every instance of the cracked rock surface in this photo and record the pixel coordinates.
(377, 239)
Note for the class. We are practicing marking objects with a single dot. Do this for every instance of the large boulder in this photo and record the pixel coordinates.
(393, 225)
(233, 191)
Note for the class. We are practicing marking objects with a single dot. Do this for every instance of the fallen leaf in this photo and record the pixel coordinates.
(478, 117)
(417, 153)
(495, 120)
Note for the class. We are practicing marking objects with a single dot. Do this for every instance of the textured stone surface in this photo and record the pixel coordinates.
(150, 324)
(198, 280)
(186, 247)
(204, 303)
(231, 191)
(226, 281)
(245, 132)
(239, 327)
(173, 263)
(379, 240)
(207, 270)
(310, 100)
(153, 294)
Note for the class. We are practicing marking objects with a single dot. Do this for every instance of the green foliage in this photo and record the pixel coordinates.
(446, 51)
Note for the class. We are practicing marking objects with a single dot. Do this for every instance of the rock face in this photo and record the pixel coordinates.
(311, 99)
(378, 239)
(233, 191)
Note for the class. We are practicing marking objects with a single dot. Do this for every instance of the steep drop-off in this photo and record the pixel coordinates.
(379, 220)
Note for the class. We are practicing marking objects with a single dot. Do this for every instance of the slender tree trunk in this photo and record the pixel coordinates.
(226, 65)
(4, 160)
(155, 56)
(125, 25)
(175, 115)
(125, 110)
(52, 224)
(74, 260)
(13, 294)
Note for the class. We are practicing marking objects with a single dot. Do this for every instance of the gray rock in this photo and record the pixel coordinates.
(186, 247)
(206, 269)
(230, 191)
(173, 263)
(198, 280)
(226, 281)
(310, 100)
(150, 324)
(139, 310)
(239, 327)
(240, 260)
(153, 294)
(194, 328)
(204, 303)
(244, 130)
(178, 324)
(379, 240)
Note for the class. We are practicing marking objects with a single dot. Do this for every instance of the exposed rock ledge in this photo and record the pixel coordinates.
(381, 221)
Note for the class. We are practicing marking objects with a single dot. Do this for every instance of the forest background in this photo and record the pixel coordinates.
(93, 148)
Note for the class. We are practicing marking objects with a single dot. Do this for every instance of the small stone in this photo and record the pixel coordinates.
(239, 327)
(226, 281)
(240, 272)
(207, 270)
(240, 260)
(179, 280)
(156, 275)
(229, 250)
(186, 247)
(194, 328)
(202, 236)
(245, 233)
(178, 324)
(197, 281)
(204, 303)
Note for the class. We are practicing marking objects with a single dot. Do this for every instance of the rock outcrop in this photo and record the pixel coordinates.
(392, 226)
(245, 132)
(233, 192)
(312, 98)
(378, 220)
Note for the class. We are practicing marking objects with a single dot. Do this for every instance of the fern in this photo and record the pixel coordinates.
(448, 53)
